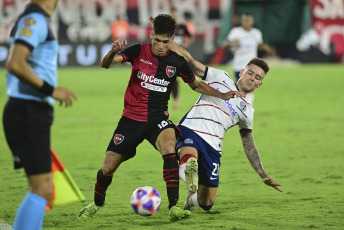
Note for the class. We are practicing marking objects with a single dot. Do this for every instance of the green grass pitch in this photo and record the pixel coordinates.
(298, 129)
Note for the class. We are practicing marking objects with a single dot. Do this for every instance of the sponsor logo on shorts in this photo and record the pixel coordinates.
(16, 159)
(188, 141)
(170, 71)
(118, 139)
(213, 178)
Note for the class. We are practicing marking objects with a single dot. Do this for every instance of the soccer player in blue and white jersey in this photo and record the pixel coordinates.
(28, 114)
(204, 126)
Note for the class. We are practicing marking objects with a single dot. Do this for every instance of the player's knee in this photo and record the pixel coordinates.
(206, 204)
(108, 170)
(111, 162)
(206, 207)
(168, 147)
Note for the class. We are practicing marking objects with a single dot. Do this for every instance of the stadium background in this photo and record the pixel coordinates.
(84, 26)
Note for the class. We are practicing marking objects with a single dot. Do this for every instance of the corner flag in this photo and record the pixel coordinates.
(65, 189)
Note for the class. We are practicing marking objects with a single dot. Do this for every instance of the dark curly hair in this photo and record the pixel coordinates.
(261, 63)
(164, 24)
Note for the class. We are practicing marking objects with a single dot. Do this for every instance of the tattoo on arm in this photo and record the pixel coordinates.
(252, 153)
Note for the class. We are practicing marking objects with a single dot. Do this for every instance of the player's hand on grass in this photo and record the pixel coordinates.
(64, 96)
(270, 182)
(118, 45)
(230, 94)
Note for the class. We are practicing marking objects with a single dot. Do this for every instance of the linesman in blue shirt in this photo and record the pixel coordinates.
(28, 114)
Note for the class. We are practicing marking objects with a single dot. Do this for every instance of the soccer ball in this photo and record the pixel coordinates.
(145, 201)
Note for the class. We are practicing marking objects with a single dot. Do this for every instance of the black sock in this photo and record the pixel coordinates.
(171, 177)
(101, 186)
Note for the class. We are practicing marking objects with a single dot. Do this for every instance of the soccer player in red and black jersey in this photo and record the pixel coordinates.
(145, 115)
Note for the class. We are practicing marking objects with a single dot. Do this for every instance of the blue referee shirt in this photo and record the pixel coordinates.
(32, 29)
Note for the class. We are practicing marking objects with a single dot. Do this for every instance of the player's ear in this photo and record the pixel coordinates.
(171, 40)
(241, 73)
(259, 85)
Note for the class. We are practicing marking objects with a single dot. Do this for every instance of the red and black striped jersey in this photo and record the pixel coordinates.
(151, 81)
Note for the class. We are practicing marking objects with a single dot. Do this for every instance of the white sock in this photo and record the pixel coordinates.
(193, 200)
(249, 98)
(181, 172)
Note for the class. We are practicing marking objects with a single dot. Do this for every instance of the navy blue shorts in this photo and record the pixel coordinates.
(208, 158)
(27, 130)
(130, 133)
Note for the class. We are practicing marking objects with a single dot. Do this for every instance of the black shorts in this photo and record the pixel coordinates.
(27, 130)
(130, 133)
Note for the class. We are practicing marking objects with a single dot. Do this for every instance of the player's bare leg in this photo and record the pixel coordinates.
(41, 184)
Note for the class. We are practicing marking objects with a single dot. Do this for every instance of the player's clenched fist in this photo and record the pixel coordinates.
(230, 94)
(118, 45)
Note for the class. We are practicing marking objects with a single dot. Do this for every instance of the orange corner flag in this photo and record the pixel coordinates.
(65, 189)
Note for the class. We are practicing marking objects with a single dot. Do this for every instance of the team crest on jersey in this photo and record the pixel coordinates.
(118, 139)
(243, 106)
(170, 71)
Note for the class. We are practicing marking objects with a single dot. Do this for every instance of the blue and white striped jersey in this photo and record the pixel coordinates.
(32, 29)
(211, 117)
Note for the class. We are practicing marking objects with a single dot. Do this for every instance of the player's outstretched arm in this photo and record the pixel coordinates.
(112, 58)
(197, 67)
(228, 44)
(254, 158)
(203, 88)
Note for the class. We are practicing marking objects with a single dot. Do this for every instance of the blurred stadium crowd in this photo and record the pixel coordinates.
(302, 30)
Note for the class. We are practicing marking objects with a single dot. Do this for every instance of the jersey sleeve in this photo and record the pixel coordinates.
(186, 73)
(211, 74)
(32, 29)
(259, 37)
(232, 35)
(131, 52)
(246, 123)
